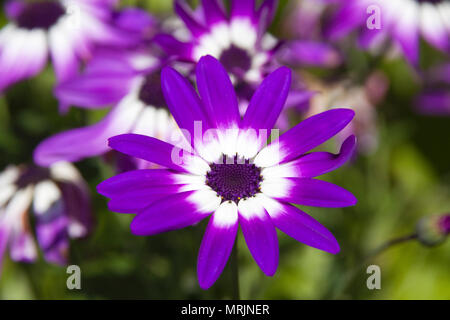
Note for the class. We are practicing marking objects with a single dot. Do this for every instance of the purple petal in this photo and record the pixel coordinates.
(51, 233)
(183, 101)
(305, 136)
(13, 8)
(243, 8)
(371, 37)
(266, 13)
(213, 12)
(300, 226)
(260, 234)
(308, 192)
(101, 32)
(121, 162)
(310, 53)
(135, 180)
(133, 201)
(174, 212)
(22, 247)
(58, 253)
(23, 54)
(350, 15)
(77, 144)
(114, 62)
(147, 148)
(134, 20)
(51, 222)
(268, 100)
(217, 244)
(95, 90)
(174, 47)
(299, 98)
(185, 13)
(77, 204)
(217, 93)
(21, 244)
(318, 163)
(406, 32)
(63, 54)
(435, 102)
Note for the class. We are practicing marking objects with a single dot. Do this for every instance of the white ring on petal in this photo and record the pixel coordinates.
(276, 187)
(206, 200)
(250, 208)
(226, 215)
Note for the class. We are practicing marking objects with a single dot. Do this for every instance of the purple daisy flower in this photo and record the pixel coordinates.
(230, 174)
(130, 81)
(60, 201)
(65, 30)
(238, 39)
(402, 20)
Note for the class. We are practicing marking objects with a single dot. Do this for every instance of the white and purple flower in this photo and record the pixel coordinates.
(403, 21)
(65, 30)
(60, 201)
(240, 40)
(231, 175)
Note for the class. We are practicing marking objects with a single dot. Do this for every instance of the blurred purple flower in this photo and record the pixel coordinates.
(60, 202)
(130, 81)
(65, 30)
(231, 175)
(435, 97)
(402, 21)
(239, 40)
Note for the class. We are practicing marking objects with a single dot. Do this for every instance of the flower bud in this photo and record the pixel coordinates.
(433, 230)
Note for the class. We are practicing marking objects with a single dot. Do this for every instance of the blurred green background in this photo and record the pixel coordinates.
(406, 178)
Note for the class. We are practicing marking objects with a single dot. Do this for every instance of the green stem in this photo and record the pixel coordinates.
(235, 271)
(31, 280)
(388, 244)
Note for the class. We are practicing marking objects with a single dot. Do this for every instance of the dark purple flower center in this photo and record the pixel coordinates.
(236, 60)
(32, 175)
(234, 181)
(41, 15)
(151, 92)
